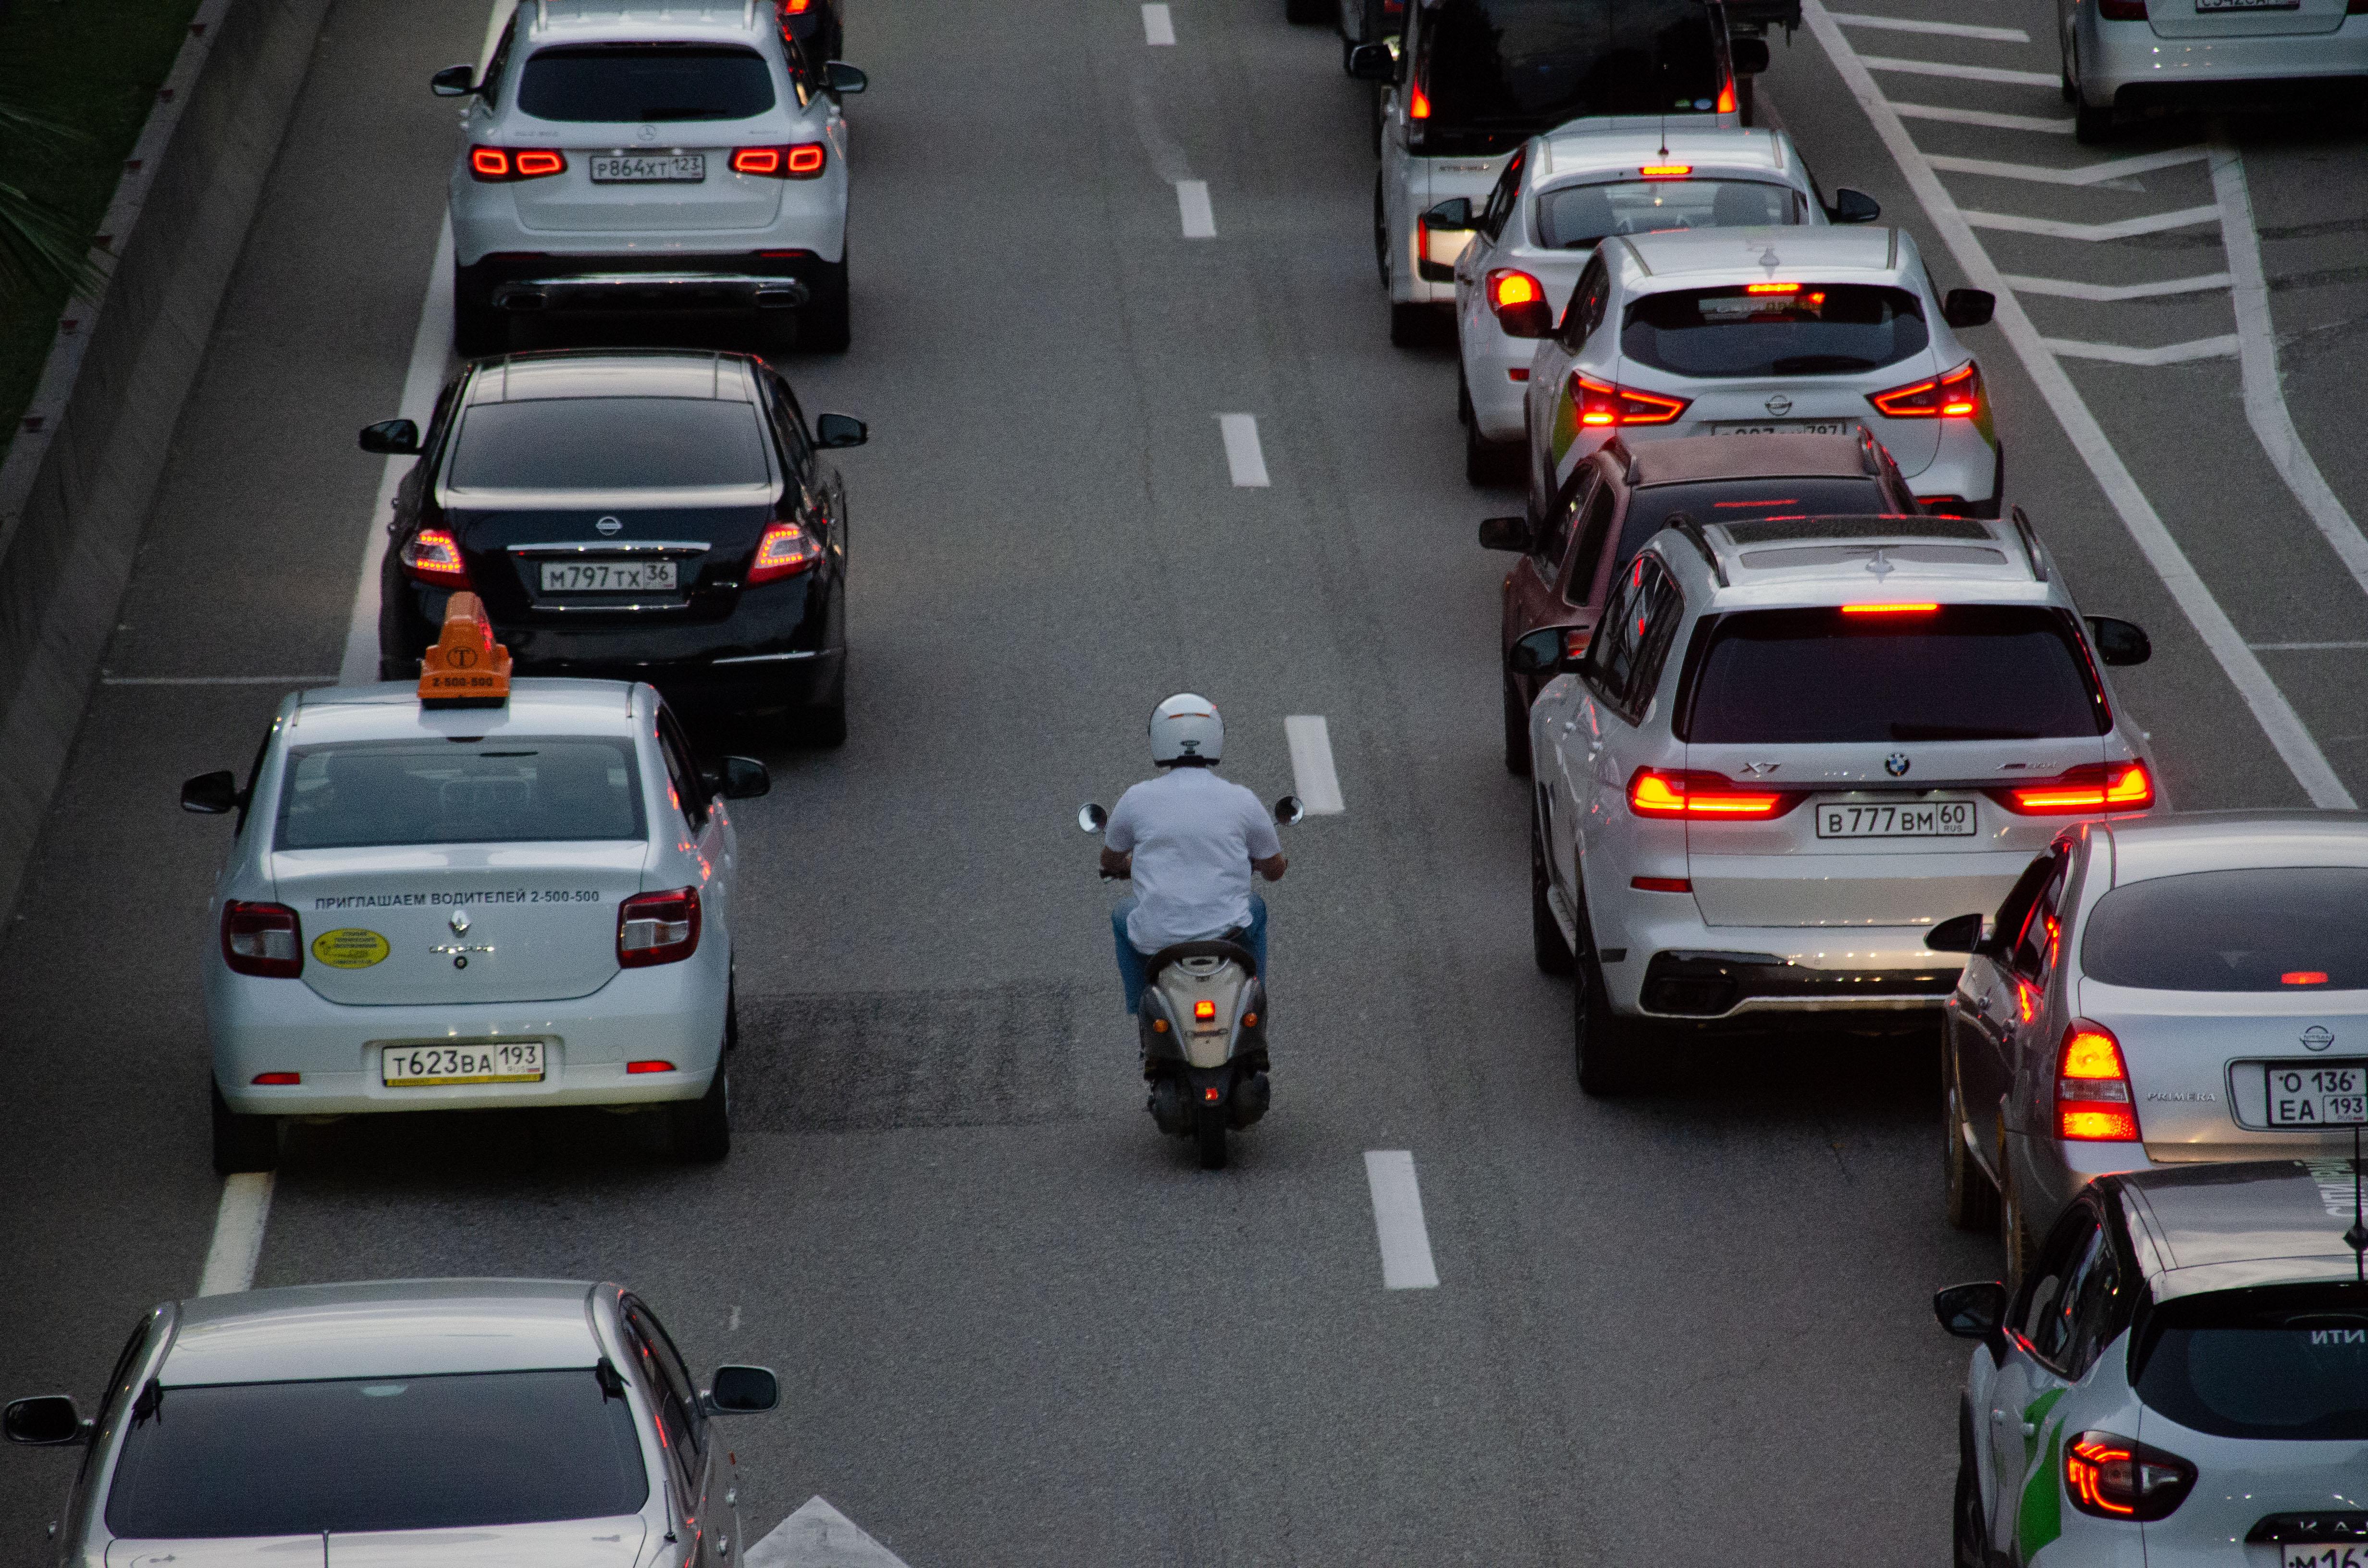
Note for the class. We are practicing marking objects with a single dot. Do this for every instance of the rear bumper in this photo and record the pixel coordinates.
(1673, 967)
(525, 283)
(2127, 65)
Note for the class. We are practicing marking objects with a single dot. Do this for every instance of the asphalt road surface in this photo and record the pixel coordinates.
(1016, 1326)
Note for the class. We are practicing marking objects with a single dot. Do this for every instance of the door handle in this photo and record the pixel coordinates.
(2030, 1429)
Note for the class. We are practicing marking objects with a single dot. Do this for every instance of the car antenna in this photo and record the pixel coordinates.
(2356, 1238)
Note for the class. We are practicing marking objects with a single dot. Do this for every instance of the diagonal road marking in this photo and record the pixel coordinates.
(2295, 745)
(1983, 117)
(1243, 454)
(818, 1536)
(1940, 29)
(2168, 353)
(1158, 25)
(1962, 72)
(2068, 289)
(2091, 174)
(1313, 777)
(1193, 205)
(2123, 229)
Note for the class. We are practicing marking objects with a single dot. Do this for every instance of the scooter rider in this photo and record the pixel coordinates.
(1189, 841)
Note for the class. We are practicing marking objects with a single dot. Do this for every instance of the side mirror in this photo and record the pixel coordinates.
(840, 430)
(1372, 62)
(1288, 810)
(210, 794)
(744, 779)
(1968, 307)
(2120, 642)
(743, 1390)
(1747, 55)
(45, 1421)
(1091, 818)
(1452, 214)
(1548, 651)
(842, 79)
(1505, 533)
(453, 82)
(1971, 1311)
(395, 438)
(1853, 207)
(1959, 934)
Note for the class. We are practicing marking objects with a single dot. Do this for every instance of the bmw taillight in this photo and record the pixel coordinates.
(1601, 405)
(784, 551)
(800, 160)
(2113, 1478)
(657, 928)
(2093, 789)
(2092, 1088)
(1956, 395)
(1669, 792)
(493, 166)
(264, 940)
(433, 556)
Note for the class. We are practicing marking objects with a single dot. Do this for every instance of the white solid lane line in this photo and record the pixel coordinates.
(238, 1234)
(2276, 716)
(432, 353)
(2305, 647)
(1962, 72)
(2265, 398)
(1397, 1217)
(1192, 203)
(1983, 117)
(2122, 229)
(1158, 26)
(1242, 453)
(2168, 353)
(2068, 288)
(1942, 30)
(1313, 777)
(2090, 173)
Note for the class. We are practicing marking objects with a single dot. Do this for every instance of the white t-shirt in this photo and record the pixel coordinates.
(1193, 837)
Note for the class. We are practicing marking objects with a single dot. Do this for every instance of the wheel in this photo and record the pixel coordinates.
(1609, 1049)
(2014, 1231)
(242, 1142)
(1517, 733)
(1970, 1530)
(1546, 943)
(1307, 13)
(1209, 1135)
(702, 1128)
(823, 321)
(1488, 464)
(1968, 1196)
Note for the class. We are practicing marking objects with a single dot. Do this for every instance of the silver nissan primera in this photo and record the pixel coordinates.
(518, 1423)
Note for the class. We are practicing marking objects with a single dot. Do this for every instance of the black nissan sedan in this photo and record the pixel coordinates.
(657, 516)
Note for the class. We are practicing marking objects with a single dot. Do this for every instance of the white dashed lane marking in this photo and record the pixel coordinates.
(1313, 777)
(1242, 453)
(2068, 288)
(1960, 73)
(2123, 229)
(1192, 203)
(1397, 1219)
(238, 1234)
(1158, 26)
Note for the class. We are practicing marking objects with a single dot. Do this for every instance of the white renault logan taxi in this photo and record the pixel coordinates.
(517, 896)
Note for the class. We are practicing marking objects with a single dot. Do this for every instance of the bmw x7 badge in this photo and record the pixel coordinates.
(1896, 764)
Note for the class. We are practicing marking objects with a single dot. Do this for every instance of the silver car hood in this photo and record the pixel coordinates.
(564, 1543)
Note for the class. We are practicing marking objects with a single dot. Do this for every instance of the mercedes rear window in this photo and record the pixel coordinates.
(1732, 500)
(2283, 1362)
(1530, 64)
(440, 791)
(1774, 329)
(1953, 673)
(354, 1454)
(2267, 928)
(608, 83)
(1575, 216)
(609, 443)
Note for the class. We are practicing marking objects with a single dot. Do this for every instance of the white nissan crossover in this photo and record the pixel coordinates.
(437, 907)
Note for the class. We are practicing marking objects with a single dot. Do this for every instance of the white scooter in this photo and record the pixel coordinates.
(1203, 1023)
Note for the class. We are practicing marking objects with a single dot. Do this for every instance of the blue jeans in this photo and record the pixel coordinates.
(1130, 958)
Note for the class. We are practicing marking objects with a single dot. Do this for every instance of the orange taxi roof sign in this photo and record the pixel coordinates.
(466, 668)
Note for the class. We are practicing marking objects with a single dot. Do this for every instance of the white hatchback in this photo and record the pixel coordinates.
(633, 155)
(434, 908)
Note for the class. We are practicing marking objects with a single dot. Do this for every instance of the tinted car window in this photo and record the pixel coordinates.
(1534, 64)
(1815, 329)
(2270, 929)
(376, 1454)
(436, 792)
(2290, 1361)
(639, 82)
(609, 443)
(1729, 501)
(1578, 215)
(1960, 673)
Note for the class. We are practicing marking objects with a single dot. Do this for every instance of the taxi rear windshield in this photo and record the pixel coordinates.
(645, 82)
(1808, 329)
(1531, 65)
(2284, 928)
(1955, 673)
(2287, 1362)
(608, 443)
(440, 791)
(1576, 216)
(398, 1453)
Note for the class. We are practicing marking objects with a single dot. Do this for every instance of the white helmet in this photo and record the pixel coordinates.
(1186, 728)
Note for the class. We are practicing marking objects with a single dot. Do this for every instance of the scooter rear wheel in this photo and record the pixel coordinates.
(1208, 1133)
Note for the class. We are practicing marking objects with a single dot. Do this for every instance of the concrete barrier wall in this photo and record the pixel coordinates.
(83, 472)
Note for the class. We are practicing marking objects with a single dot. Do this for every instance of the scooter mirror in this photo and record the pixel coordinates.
(1288, 810)
(1091, 818)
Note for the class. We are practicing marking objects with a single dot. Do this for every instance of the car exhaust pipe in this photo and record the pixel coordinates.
(785, 296)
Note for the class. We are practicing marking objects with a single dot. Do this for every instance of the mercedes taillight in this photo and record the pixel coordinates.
(802, 160)
(493, 166)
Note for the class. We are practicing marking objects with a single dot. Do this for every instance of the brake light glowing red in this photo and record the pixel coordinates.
(536, 162)
(1726, 99)
(1956, 395)
(795, 8)
(1666, 171)
(1509, 286)
(784, 551)
(1664, 793)
(757, 161)
(433, 556)
(1204, 1010)
(802, 160)
(1771, 287)
(2115, 1478)
(1891, 610)
(278, 1079)
(2092, 1088)
(1418, 104)
(264, 940)
(489, 163)
(657, 928)
(2090, 788)
(1601, 405)
(2302, 977)
(652, 1065)
(495, 164)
